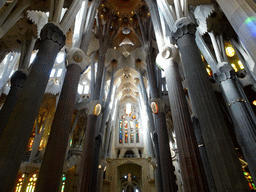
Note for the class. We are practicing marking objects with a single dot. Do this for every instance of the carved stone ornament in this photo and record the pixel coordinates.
(78, 57)
(169, 52)
(52, 32)
(184, 26)
(156, 105)
(225, 72)
(91, 107)
(97, 109)
(19, 78)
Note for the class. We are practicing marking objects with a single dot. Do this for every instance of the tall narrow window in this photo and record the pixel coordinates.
(126, 124)
(126, 136)
(128, 109)
(132, 132)
(120, 132)
(132, 137)
(59, 72)
(137, 132)
(32, 183)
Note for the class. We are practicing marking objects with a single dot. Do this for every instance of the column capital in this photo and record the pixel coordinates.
(19, 78)
(183, 27)
(52, 32)
(78, 57)
(168, 53)
(225, 71)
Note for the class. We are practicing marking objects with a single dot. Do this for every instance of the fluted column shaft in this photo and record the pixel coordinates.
(159, 180)
(17, 132)
(203, 154)
(190, 162)
(17, 82)
(167, 168)
(245, 124)
(50, 173)
(224, 163)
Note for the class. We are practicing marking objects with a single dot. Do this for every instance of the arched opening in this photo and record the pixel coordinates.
(129, 154)
(129, 177)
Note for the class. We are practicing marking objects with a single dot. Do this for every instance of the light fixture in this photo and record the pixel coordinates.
(154, 107)
(230, 51)
(254, 102)
(97, 109)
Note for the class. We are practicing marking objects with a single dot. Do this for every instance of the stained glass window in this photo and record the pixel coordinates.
(120, 132)
(120, 137)
(133, 117)
(132, 138)
(137, 137)
(126, 136)
(137, 132)
(126, 124)
(19, 183)
(32, 183)
(131, 124)
(128, 109)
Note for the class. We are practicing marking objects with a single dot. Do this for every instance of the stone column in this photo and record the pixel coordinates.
(27, 48)
(244, 122)
(224, 163)
(84, 183)
(203, 154)
(92, 10)
(17, 132)
(17, 82)
(99, 140)
(87, 158)
(190, 162)
(167, 168)
(95, 166)
(159, 183)
(50, 173)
